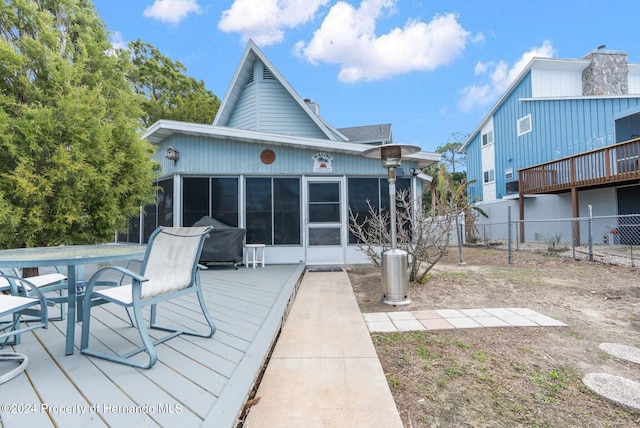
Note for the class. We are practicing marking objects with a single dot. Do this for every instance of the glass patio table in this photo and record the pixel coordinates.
(71, 256)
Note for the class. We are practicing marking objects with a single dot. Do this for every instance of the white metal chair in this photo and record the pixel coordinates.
(45, 283)
(170, 269)
(25, 299)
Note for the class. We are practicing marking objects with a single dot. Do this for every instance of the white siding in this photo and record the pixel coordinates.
(488, 164)
(555, 83)
(634, 79)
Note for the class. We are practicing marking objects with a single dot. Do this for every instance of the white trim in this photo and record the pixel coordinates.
(586, 97)
(491, 180)
(521, 122)
(508, 173)
(545, 63)
(320, 254)
(163, 129)
(177, 196)
(489, 141)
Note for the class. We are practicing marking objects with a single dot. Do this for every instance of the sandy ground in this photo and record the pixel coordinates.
(511, 376)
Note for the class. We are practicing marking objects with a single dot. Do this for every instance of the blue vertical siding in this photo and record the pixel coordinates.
(474, 167)
(560, 128)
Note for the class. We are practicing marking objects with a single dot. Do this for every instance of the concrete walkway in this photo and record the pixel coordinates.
(324, 370)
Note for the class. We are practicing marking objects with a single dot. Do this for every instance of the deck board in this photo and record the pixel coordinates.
(196, 382)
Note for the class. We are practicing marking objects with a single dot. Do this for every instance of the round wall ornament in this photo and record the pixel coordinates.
(267, 156)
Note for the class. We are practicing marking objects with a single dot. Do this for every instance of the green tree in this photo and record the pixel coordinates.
(168, 92)
(450, 152)
(72, 165)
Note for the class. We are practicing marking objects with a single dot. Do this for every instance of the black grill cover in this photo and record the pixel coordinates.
(224, 243)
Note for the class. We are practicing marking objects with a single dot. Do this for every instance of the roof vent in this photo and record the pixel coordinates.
(267, 74)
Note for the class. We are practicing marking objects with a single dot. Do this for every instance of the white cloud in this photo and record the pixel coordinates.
(499, 77)
(480, 68)
(264, 21)
(117, 41)
(347, 37)
(172, 11)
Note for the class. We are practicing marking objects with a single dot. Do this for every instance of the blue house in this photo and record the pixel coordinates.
(565, 134)
(269, 163)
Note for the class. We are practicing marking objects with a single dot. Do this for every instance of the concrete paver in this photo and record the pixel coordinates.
(457, 318)
(621, 391)
(624, 352)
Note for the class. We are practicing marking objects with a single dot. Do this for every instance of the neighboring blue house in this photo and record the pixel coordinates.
(565, 134)
(269, 163)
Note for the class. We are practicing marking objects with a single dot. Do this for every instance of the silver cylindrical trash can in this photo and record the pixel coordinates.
(395, 278)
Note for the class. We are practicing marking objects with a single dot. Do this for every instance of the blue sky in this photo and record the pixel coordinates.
(430, 68)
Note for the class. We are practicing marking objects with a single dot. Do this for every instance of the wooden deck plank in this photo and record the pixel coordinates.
(196, 382)
(98, 389)
(58, 397)
(171, 377)
(26, 410)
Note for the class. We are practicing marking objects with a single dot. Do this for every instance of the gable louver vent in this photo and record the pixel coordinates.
(267, 74)
(250, 79)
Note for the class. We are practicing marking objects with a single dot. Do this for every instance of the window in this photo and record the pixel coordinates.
(489, 176)
(487, 138)
(157, 214)
(508, 173)
(512, 187)
(273, 211)
(224, 200)
(210, 196)
(374, 190)
(524, 125)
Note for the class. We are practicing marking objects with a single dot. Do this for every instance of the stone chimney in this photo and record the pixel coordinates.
(314, 106)
(608, 73)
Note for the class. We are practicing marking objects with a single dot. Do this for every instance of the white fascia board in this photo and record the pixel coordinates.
(234, 89)
(538, 63)
(587, 97)
(162, 129)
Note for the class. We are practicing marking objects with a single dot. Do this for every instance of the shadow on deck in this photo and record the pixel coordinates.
(196, 382)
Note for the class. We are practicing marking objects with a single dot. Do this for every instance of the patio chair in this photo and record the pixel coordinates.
(25, 299)
(169, 269)
(46, 283)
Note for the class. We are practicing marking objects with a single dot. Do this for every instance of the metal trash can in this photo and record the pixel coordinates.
(395, 278)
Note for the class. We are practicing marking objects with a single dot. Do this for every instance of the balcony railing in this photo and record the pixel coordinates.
(612, 164)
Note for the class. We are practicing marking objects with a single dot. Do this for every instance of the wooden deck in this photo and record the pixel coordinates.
(602, 167)
(196, 382)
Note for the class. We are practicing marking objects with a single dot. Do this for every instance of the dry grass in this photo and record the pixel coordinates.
(506, 377)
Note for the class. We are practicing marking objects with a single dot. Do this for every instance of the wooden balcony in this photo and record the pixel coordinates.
(617, 163)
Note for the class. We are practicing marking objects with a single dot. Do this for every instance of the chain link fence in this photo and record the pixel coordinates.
(607, 239)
